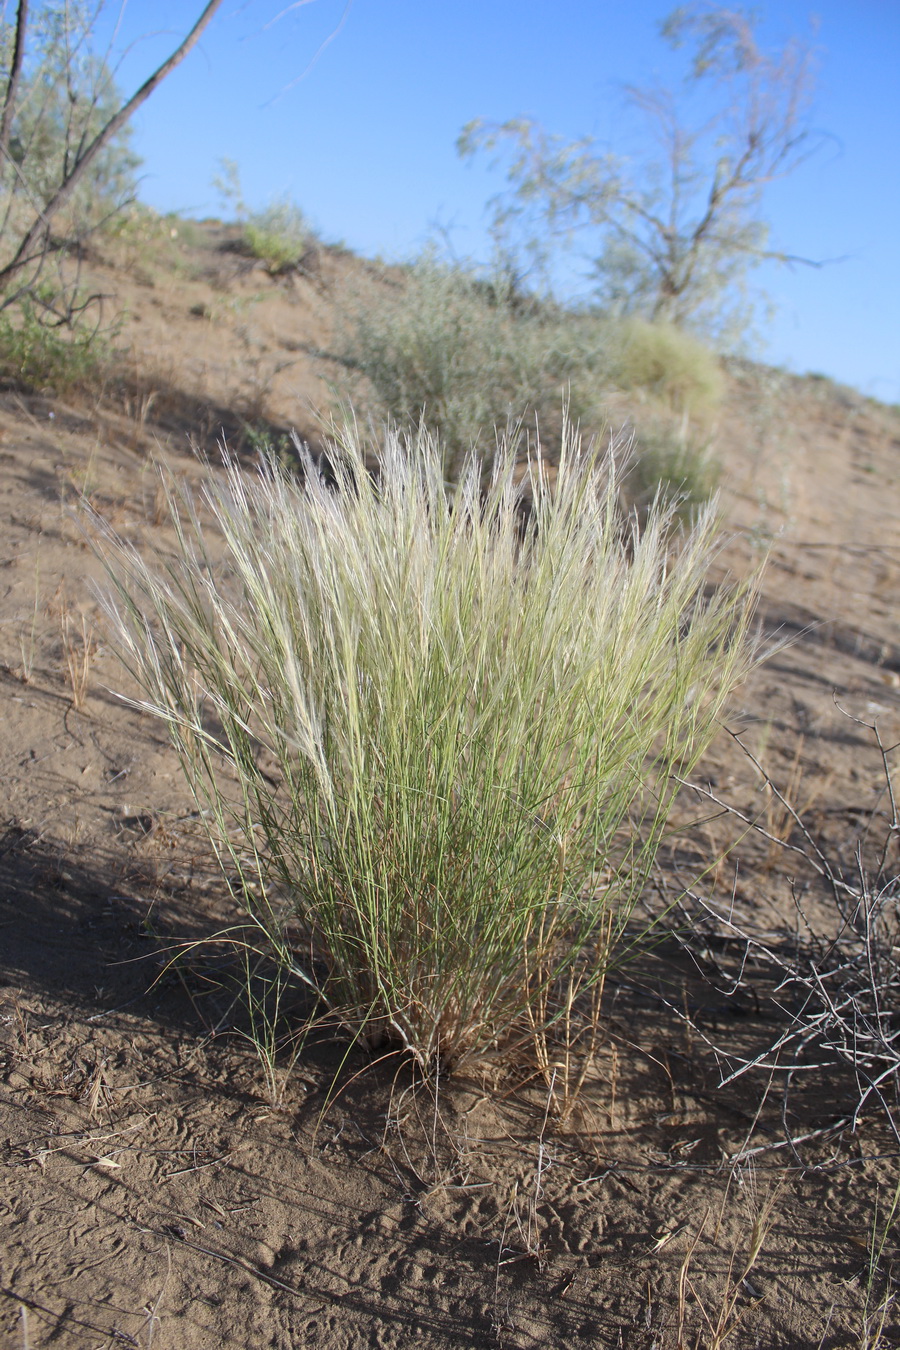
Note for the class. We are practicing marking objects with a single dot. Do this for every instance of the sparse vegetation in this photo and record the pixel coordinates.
(79, 648)
(278, 235)
(43, 358)
(667, 460)
(880, 1279)
(838, 983)
(434, 729)
(673, 233)
(468, 355)
(713, 1323)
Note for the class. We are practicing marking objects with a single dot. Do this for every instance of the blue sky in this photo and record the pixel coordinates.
(363, 138)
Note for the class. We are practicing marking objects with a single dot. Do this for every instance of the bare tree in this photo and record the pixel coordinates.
(13, 77)
(90, 120)
(675, 234)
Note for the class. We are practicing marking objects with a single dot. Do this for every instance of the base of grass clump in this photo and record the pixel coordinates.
(435, 735)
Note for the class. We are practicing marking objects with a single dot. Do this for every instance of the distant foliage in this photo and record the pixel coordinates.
(278, 235)
(466, 354)
(436, 344)
(67, 93)
(65, 163)
(667, 363)
(672, 234)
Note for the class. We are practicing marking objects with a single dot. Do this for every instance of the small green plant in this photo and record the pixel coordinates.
(278, 235)
(45, 357)
(262, 440)
(434, 733)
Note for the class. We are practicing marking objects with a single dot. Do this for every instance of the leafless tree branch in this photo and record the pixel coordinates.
(74, 173)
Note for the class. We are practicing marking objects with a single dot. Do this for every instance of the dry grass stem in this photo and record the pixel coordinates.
(79, 648)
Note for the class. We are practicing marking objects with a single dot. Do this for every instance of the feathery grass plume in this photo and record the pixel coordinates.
(434, 732)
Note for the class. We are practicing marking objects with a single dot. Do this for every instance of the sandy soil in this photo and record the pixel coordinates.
(156, 1188)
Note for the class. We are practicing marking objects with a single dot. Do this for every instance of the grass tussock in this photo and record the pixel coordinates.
(667, 363)
(434, 734)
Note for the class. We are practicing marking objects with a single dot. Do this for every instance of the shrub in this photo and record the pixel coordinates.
(279, 235)
(667, 363)
(836, 980)
(438, 344)
(441, 344)
(434, 735)
(53, 358)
